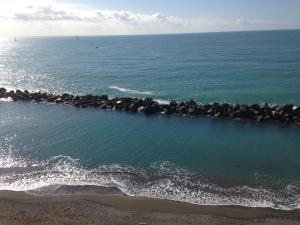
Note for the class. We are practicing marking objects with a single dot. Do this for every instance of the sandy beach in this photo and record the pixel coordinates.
(25, 208)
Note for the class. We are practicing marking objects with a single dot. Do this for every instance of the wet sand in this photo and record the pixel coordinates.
(22, 208)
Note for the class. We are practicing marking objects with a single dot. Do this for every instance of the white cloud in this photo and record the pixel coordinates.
(49, 17)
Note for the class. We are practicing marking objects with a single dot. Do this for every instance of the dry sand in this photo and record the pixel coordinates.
(20, 208)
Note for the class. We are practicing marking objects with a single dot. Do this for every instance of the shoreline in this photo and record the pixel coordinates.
(286, 113)
(25, 208)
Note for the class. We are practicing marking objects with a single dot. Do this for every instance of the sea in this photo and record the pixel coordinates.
(202, 160)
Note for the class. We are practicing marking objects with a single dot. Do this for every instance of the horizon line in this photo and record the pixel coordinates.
(150, 34)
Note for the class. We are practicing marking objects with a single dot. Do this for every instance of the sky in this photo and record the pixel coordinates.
(126, 17)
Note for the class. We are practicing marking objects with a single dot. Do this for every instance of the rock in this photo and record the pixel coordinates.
(297, 111)
(169, 109)
(21, 96)
(260, 119)
(148, 100)
(259, 112)
(151, 109)
(257, 108)
(195, 110)
(2, 90)
(191, 110)
(288, 108)
(103, 106)
(103, 97)
(18, 92)
(206, 108)
(133, 107)
(141, 109)
(191, 102)
(58, 100)
(217, 115)
(210, 112)
(182, 109)
(67, 97)
(173, 103)
(276, 115)
(244, 111)
(51, 98)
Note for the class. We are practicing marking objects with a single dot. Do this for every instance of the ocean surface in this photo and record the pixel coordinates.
(198, 160)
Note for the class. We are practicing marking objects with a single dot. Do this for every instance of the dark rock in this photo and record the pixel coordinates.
(103, 97)
(297, 111)
(2, 90)
(58, 100)
(276, 115)
(257, 108)
(287, 108)
(235, 107)
(67, 97)
(170, 111)
(191, 102)
(148, 100)
(103, 106)
(76, 98)
(259, 112)
(51, 98)
(141, 109)
(173, 103)
(210, 112)
(133, 107)
(151, 109)
(260, 119)
(182, 109)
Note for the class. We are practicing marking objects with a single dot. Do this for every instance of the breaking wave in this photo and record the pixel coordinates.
(131, 91)
(159, 180)
(9, 99)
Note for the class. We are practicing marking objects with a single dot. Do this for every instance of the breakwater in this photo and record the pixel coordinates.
(257, 112)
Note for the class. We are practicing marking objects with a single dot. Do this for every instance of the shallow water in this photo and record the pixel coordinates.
(198, 160)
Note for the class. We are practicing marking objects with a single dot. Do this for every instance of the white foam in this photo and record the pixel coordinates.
(9, 99)
(160, 180)
(160, 101)
(131, 91)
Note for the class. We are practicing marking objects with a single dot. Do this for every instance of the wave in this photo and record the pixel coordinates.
(131, 91)
(160, 180)
(161, 101)
(9, 99)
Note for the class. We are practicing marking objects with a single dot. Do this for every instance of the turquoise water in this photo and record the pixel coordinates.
(203, 161)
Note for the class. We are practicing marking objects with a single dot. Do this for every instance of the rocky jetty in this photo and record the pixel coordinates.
(256, 112)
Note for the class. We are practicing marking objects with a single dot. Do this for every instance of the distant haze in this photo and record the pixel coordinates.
(110, 17)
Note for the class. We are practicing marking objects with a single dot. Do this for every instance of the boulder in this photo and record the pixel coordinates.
(2, 90)
(141, 109)
(287, 108)
(173, 103)
(260, 119)
(151, 109)
(191, 102)
(59, 100)
(182, 109)
(103, 97)
(259, 112)
(257, 108)
(297, 111)
(133, 107)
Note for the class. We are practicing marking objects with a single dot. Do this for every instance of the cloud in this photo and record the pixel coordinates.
(50, 17)
(44, 13)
